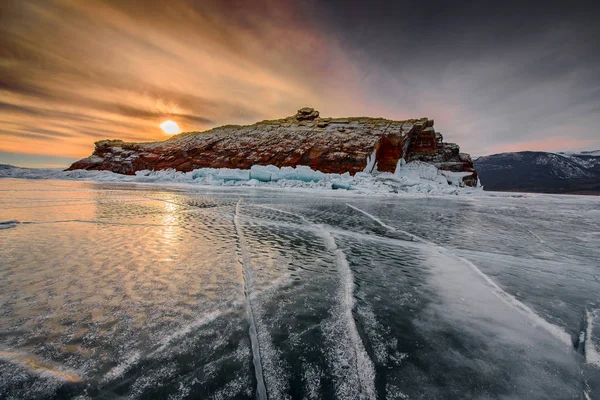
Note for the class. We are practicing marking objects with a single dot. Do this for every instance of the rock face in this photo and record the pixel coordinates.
(331, 145)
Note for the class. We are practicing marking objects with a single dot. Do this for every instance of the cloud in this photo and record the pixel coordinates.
(492, 75)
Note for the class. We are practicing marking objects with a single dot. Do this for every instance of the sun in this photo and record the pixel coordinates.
(170, 127)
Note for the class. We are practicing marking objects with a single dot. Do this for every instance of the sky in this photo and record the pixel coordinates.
(495, 76)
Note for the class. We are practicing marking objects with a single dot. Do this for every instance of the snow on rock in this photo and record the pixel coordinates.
(329, 145)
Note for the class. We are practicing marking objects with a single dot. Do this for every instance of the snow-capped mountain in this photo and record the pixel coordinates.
(589, 160)
(536, 171)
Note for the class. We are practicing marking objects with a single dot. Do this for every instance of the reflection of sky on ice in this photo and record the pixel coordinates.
(169, 223)
(139, 291)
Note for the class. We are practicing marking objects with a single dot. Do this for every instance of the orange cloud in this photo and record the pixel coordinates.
(74, 72)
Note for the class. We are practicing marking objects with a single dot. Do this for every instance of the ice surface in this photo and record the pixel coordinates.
(154, 291)
(507, 298)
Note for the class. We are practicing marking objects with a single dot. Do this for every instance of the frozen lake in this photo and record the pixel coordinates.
(139, 291)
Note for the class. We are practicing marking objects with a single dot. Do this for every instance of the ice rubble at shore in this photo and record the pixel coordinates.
(413, 177)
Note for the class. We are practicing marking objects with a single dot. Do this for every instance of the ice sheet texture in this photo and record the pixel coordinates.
(137, 291)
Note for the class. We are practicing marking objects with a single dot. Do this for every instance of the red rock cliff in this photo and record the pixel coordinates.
(326, 144)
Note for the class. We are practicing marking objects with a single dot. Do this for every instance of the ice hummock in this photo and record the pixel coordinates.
(412, 177)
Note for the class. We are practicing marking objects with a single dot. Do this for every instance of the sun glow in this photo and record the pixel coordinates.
(170, 127)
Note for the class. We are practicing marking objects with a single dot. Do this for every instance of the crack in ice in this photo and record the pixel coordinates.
(539, 239)
(203, 320)
(592, 356)
(508, 299)
(261, 389)
(363, 363)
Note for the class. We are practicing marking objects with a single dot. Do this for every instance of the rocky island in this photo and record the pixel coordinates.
(330, 145)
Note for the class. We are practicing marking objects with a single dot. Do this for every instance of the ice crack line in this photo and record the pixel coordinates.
(363, 364)
(504, 296)
(261, 388)
(592, 356)
(539, 239)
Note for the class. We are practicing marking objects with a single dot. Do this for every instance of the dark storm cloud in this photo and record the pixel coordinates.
(494, 75)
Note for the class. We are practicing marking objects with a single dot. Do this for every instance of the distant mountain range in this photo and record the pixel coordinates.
(542, 172)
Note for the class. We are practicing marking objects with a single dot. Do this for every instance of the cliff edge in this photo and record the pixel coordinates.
(330, 145)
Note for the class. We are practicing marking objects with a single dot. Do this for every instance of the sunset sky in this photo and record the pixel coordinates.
(495, 76)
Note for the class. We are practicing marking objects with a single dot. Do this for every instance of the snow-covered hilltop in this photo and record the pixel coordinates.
(588, 160)
(536, 171)
(327, 145)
